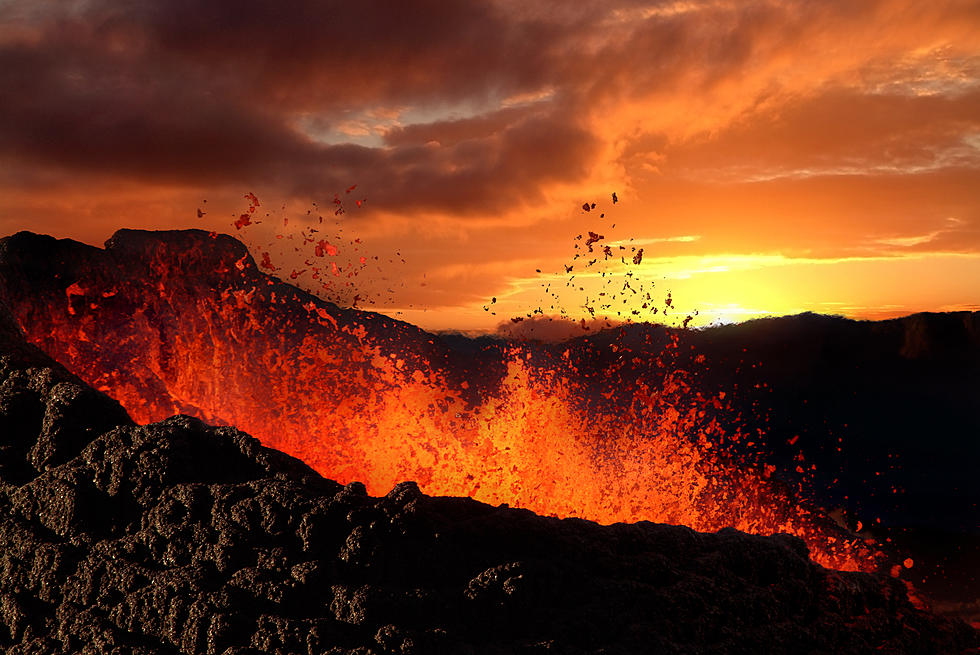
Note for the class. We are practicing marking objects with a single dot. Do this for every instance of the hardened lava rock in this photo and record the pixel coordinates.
(179, 537)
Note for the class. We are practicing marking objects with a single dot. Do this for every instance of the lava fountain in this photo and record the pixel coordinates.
(184, 322)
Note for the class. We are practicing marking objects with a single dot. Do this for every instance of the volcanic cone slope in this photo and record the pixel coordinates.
(178, 537)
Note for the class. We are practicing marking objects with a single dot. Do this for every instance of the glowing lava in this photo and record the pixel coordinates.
(185, 322)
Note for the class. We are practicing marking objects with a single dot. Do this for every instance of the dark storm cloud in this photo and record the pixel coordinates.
(216, 92)
(213, 93)
(72, 107)
(343, 53)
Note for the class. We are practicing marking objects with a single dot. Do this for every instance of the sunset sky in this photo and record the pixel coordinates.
(769, 157)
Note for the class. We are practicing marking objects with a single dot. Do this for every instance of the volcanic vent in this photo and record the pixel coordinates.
(184, 322)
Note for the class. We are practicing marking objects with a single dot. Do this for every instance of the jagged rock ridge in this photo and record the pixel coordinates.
(178, 537)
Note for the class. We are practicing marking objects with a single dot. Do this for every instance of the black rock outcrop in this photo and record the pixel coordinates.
(179, 537)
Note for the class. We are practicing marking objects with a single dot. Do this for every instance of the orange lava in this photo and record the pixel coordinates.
(362, 397)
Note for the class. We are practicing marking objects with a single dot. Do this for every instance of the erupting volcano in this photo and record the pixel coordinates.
(184, 322)
(628, 425)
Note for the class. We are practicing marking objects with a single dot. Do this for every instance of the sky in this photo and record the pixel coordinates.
(769, 157)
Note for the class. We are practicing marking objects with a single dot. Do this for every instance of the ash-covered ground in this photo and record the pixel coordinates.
(178, 537)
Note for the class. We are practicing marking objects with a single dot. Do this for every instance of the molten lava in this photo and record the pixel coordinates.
(185, 322)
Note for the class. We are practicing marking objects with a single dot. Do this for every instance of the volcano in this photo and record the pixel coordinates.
(184, 322)
(642, 423)
(178, 537)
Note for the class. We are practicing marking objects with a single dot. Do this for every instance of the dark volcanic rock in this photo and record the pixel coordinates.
(178, 537)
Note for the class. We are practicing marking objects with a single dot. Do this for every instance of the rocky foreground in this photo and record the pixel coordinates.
(179, 537)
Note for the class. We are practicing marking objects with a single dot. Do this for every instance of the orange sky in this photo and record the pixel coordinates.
(769, 157)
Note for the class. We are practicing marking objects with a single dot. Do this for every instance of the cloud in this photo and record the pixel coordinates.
(821, 130)
(838, 132)
(169, 93)
(210, 91)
